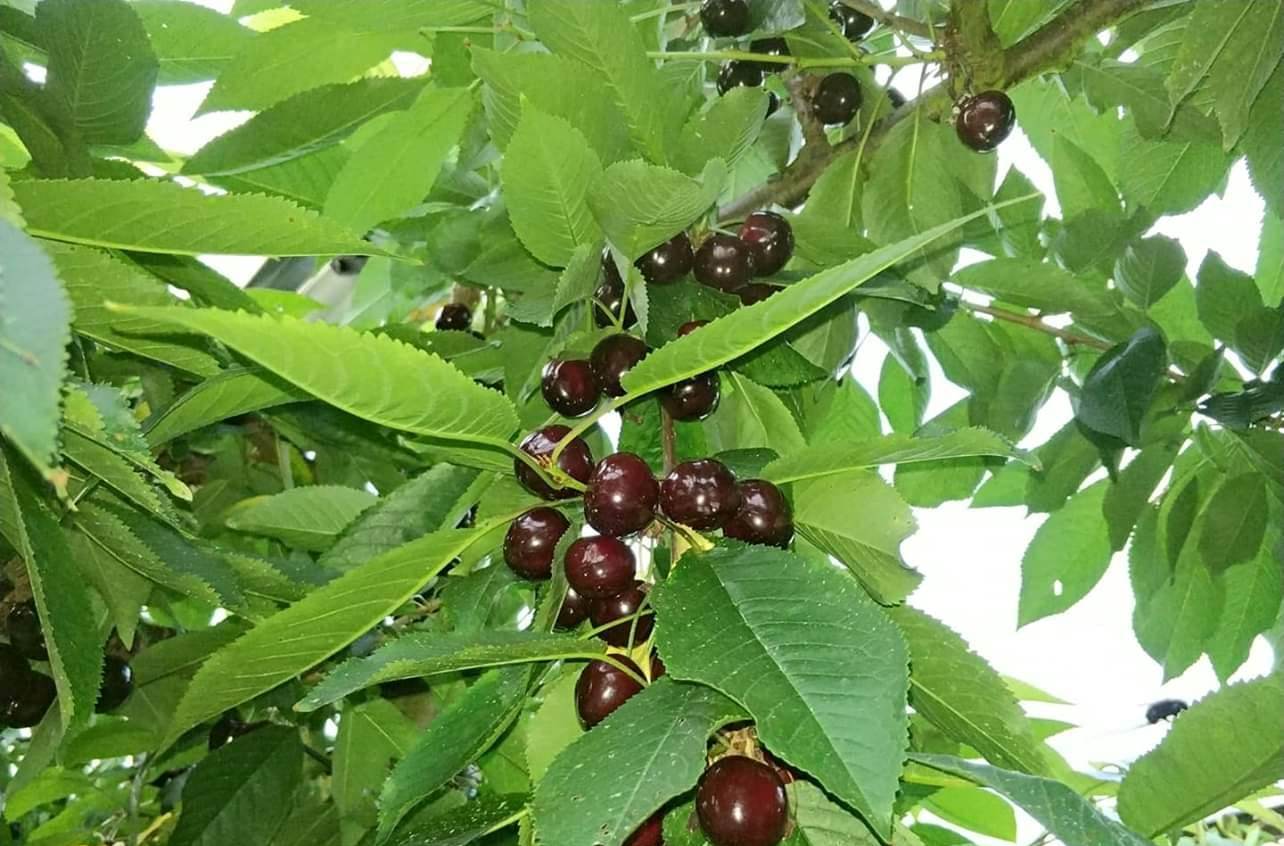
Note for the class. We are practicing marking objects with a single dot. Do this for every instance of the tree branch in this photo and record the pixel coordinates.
(909, 26)
(1057, 42)
(1031, 322)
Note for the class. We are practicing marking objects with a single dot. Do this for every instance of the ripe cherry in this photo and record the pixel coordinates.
(739, 74)
(118, 683)
(837, 99)
(602, 688)
(574, 610)
(668, 262)
(610, 296)
(770, 47)
(575, 461)
(14, 673)
(25, 635)
(725, 18)
(701, 494)
(622, 607)
(764, 516)
(28, 707)
(755, 292)
(455, 316)
(650, 833)
(724, 262)
(569, 387)
(695, 398)
(854, 25)
(614, 356)
(621, 496)
(600, 566)
(531, 540)
(742, 802)
(229, 727)
(771, 239)
(985, 120)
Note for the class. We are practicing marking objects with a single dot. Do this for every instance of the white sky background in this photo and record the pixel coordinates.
(972, 557)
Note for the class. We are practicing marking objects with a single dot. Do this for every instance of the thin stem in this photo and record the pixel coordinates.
(319, 758)
(886, 18)
(588, 423)
(283, 462)
(823, 14)
(664, 11)
(1030, 321)
(668, 440)
(622, 667)
(745, 56)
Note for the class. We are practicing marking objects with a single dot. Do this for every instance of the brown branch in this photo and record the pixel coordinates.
(668, 440)
(1053, 45)
(909, 26)
(1032, 322)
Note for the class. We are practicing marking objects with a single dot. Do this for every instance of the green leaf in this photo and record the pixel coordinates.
(1234, 521)
(1150, 268)
(1202, 765)
(371, 736)
(101, 67)
(601, 36)
(750, 416)
(974, 809)
(395, 169)
(1082, 184)
(656, 741)
(33, 340)
(303, 123)
(726, 130)
(162, 217)
(964, 697)
(464, 825)
(371, 376)
(428, 653)
(1036, 284)
(1057, 807)
(232, 392)
(640, 205)
(1067, 557)
(824, 675)
(554, 725)
(1169, 177)
(821, 822)
(1254, 592)
(1131, 492)
(124, 591)
(191, 42)
(1225, 297)
(228, 796)
(830, 459)
(307, 518)
(1118, 391)
(1265, 160)
(547, 172)
(1012, 19)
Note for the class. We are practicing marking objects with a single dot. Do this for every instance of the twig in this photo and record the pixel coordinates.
(1032, 322)
(668, 440)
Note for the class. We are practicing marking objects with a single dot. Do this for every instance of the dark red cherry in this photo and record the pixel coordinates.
(693, 399)
(668, 262)
(742, 802)
(837, 99)
(770, 47)
(569, 387)
(690, 326)
(621, 496)
(25, 634)
(531, 540)
(985, 120)
(737, 74)
(602, 688)
(610, 297)
(575, 461)
(229, 727)
(701, 494)
(14, 673)
(854, 25)
(771, 239)
(650, 833)
(622, 607)
(574, 610)
(612, 358)
(118, 683)
(725, 18)
(600, 566)
(755, 292)
(724, 262)
(31, 703)
(764, 516)
(455, 316)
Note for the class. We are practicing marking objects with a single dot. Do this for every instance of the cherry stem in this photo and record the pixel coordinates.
(821, 62)
(664, 11)
(623, 668)
(1031, 321)
(586, 424)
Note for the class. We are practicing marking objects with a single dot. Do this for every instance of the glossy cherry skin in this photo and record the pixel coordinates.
(837, 99)
(650, 833)
(609, 295)
(621, 496)
(701, 494)
(569, 386)
(575, 461)
(614, 356)
(33, 700)
(742, 802)
(764, 516)
(770, 47)
(118, 683)
(599, 567)
(738, 74)
(455, 316)
(25, 634)
(984, 121)
(668, 262)
(14, 673)
(602, 688)
(574, 610)
(693, 399)
(755, 292)
(531, 540)
(854, 25)
(622, 606)
(725, 18)
(771, 239)
(690, 326)
(724, 262)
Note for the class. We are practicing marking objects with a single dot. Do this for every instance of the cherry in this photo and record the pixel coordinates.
(575, 461)
(614, 356)
(764, 516)
(742, 802)
(725, 18)
(600, 566)
(31, 702)
(14, 674)
(622, 607)
(23, 626)
(574, 610)
(229, 727)
(695, 398)
(724, 262)
(668, 262)
(118, 683)
(755, 292)
(701, 494)
(739, 74)
(985, 120)
(621, 495)
(602, 688)
(610, 296)
(771, 239)
(456, 317)
(569, 387)
(690, 326)
(854, 25)
(650, 833)
(531, 539)
(837, 99)
(770, 47)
